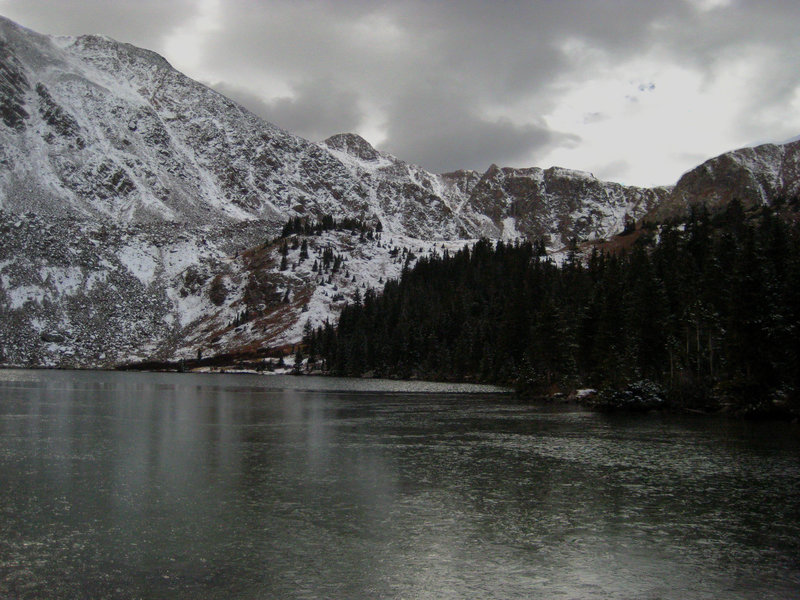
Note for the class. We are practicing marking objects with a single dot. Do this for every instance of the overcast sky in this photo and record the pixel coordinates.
(636, 91)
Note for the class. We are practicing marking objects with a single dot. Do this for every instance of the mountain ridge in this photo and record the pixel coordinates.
(110, 130)
(142, 209)
(759, 175)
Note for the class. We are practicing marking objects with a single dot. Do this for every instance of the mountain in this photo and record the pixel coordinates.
(98, 129)
(556, 204)
(141, 211)
(88, 294)
(764, 175)
(103, 130)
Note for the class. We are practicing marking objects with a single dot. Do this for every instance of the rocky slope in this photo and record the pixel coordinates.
(556, 204)
(763, 175)
(80, 294)
(76, 293)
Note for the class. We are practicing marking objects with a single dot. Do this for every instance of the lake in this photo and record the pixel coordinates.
(155, 485)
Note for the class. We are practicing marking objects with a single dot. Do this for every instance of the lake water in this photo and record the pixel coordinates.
(139, 485)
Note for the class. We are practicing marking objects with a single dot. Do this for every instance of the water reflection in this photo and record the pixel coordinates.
(148, 485)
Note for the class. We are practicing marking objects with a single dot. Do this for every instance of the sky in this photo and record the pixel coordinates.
(634, 91)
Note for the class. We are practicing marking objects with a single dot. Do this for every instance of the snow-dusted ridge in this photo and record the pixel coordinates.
(104, 130)
(756, 176)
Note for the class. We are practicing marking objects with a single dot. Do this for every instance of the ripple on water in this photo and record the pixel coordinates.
(121, 485)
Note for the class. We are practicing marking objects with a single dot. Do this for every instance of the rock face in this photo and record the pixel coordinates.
(557, 204)
(755, 176)
(405, 198)
(553, 204)
(13, 87)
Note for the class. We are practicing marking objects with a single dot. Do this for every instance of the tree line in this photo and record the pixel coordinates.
(708, 309)
(308, 226)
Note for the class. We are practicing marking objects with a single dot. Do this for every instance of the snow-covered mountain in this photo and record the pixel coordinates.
(554, 204)
(99, 129)
(763, 175)
(140, 209)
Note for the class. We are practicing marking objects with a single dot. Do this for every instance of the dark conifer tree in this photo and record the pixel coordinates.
(712, 310)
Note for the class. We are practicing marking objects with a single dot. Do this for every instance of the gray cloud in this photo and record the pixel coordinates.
(453, 62)
(474, 145)
(316, 109)
(141, 22)
(442, 132)
(452, 84)
(709, 38)
(616, 170)
(432, 68)
(594, 117)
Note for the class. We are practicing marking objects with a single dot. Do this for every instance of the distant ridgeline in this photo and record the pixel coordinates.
(710, 312)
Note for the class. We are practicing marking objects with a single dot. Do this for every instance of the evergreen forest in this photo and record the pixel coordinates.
(706, 310)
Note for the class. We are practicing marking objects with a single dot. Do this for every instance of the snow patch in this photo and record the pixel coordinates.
(570, 173)
(67, 281)
(20, 296)
(140, 261)
(94, 279)
(510, 232)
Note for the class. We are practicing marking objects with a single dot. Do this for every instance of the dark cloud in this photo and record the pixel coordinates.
(434, 71)
(474, 145)
(315, 111)
(141, 22)
(440, 131)
(454, 84)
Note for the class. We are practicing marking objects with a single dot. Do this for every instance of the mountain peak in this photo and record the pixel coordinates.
(568, 173)
(755, 176)
(103, 47)
(352, 144)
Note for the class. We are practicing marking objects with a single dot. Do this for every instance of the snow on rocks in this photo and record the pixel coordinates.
(269, 307)
(78, 294)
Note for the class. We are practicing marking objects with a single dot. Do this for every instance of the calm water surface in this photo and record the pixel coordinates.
(116, 485)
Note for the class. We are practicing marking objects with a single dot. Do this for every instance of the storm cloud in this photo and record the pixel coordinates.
(314, 109)
(623, 88)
